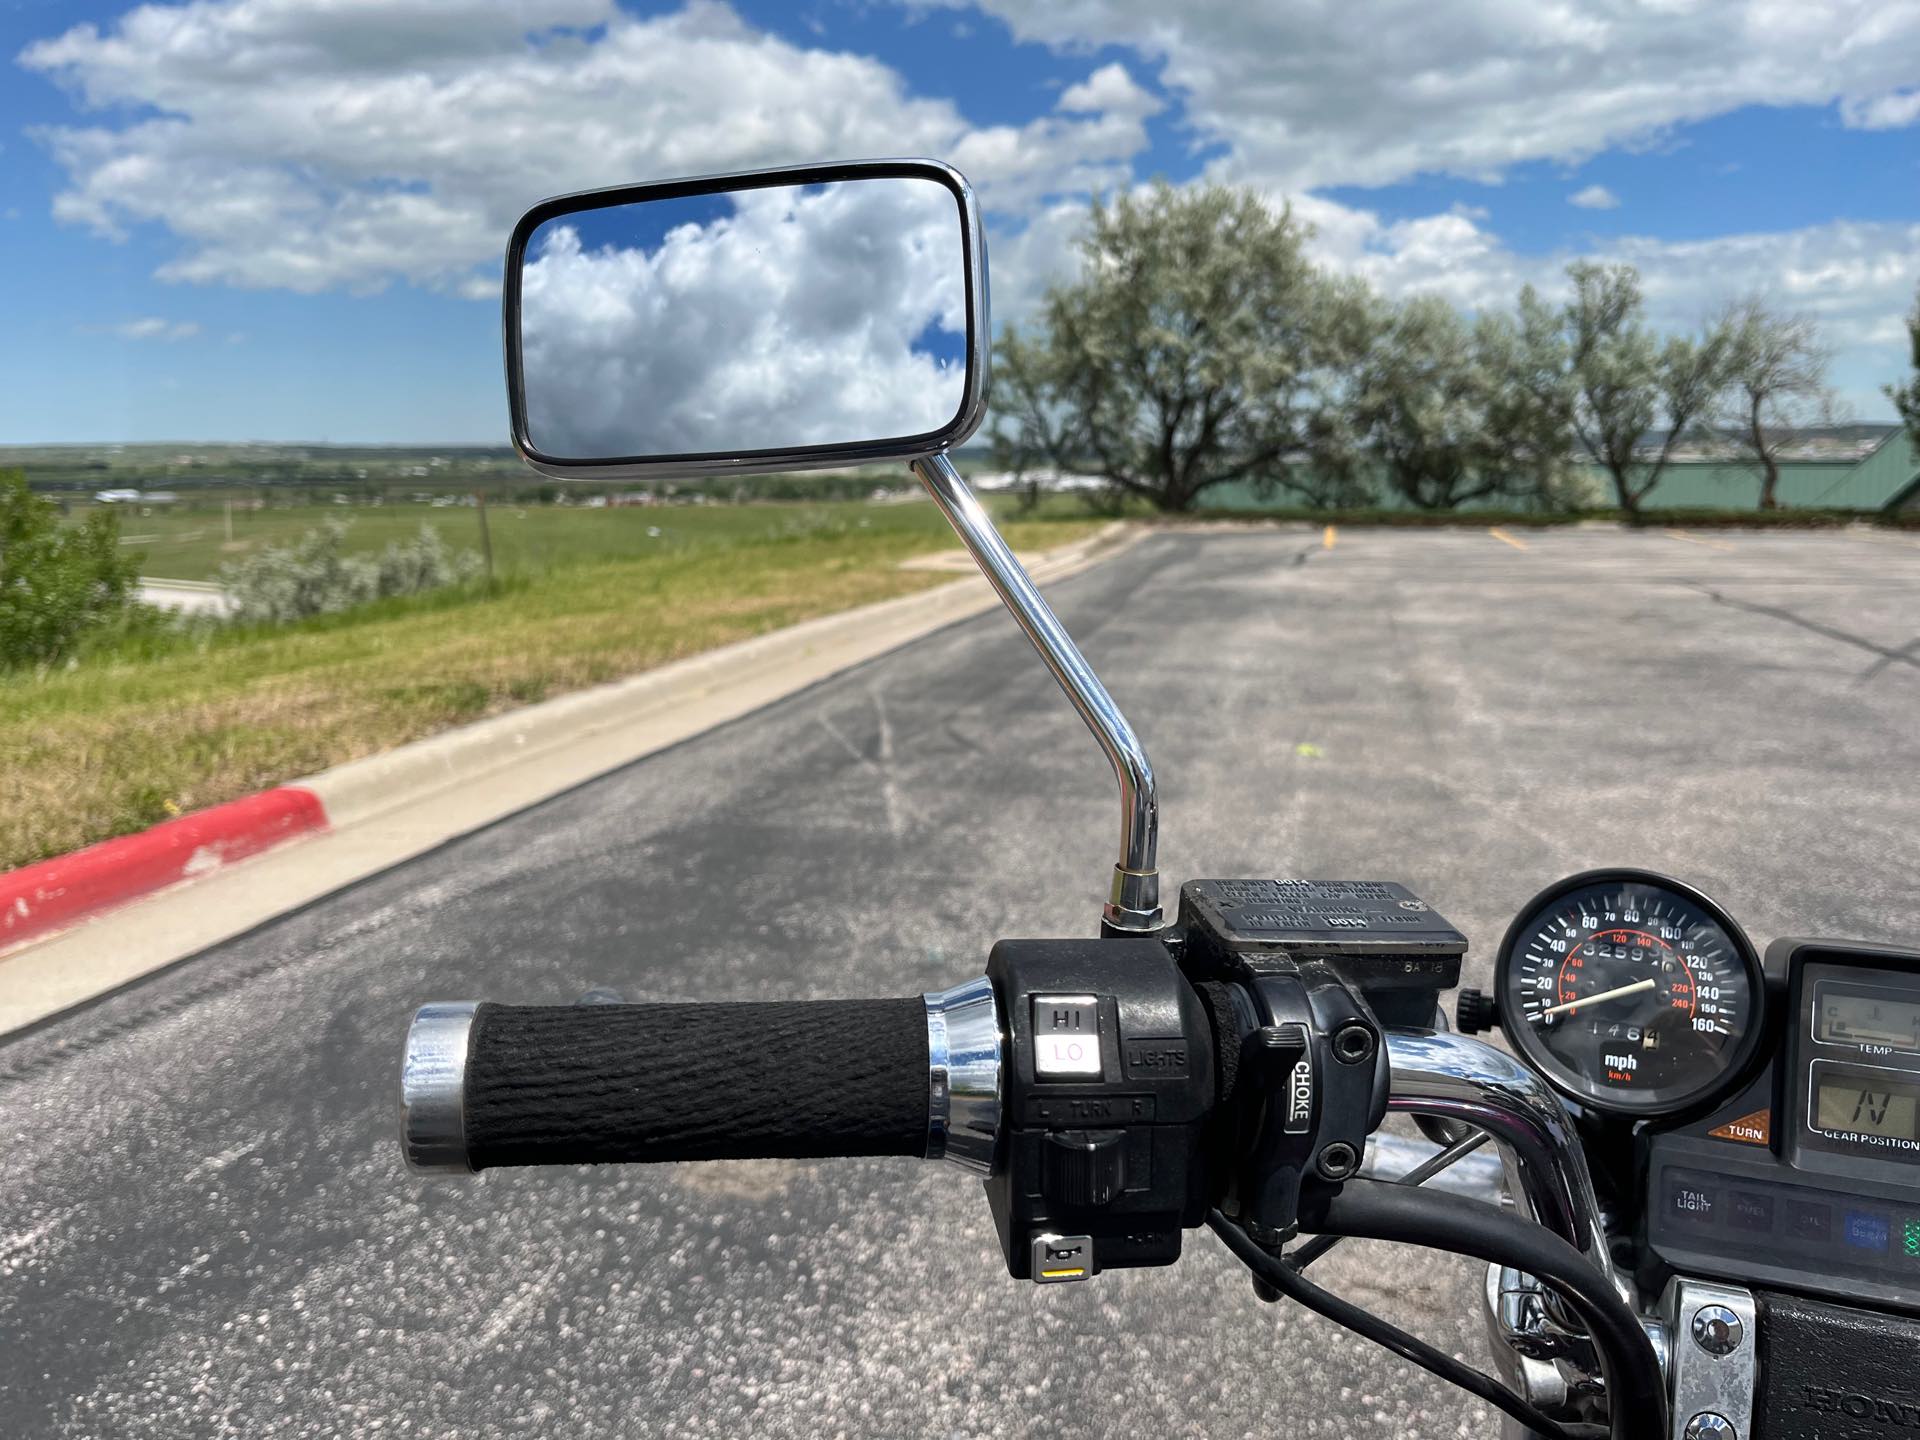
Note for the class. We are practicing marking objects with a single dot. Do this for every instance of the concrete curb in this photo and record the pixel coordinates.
(367, 815)
(36, 900)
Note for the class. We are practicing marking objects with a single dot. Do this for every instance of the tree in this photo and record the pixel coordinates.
(57, 582)
(1625, 382)
(1457, 413)
(1776, 387)
(1906, 397)
(1529, 415)
(1197, 348)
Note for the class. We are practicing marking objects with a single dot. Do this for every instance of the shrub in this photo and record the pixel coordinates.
(314, 575)
(58, 583)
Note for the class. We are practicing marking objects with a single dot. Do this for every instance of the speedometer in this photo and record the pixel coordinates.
(1630, 992)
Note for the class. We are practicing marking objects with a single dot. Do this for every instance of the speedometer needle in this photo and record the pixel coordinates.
(1633, 989)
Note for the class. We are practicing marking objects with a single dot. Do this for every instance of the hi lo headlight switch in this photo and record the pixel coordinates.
(1066, 1036)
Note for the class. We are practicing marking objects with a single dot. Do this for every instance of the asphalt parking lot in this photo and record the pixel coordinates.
(205, 1227)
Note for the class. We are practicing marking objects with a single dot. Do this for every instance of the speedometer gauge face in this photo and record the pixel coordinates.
(1630, 992)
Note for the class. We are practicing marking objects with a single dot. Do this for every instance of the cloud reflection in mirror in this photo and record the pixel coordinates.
(754, 319)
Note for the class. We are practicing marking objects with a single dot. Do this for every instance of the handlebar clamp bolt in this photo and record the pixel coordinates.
(1717, 1330)
(1338, 1160)
(1353, 1043)
(1709, 1426)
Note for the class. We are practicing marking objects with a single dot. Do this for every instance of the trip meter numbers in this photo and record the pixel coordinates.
(1631, 993)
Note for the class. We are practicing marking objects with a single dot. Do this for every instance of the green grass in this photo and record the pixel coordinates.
(164, 722)
(527, 540)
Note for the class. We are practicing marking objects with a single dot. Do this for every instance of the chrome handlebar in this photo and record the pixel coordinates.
(1456, 1078)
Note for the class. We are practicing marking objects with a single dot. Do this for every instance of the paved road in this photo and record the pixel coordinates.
(204, 1224)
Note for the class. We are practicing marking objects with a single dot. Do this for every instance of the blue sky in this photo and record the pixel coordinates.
(280, 219)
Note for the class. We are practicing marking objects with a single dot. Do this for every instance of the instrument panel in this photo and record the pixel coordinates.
(1808, 1176)
(1772, 1108)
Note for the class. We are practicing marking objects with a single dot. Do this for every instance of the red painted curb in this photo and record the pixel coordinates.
(54, 893)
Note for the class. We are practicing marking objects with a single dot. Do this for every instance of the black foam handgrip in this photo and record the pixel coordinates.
(566, 1085)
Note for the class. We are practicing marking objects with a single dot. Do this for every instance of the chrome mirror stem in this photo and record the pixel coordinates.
(1133, 903)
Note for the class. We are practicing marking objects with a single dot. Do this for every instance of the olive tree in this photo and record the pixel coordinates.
(1906, 396)
(1198, 346)
(1456, 412)
(1626, 381)
(1776, 387)
(58, 582)
(1529, 413)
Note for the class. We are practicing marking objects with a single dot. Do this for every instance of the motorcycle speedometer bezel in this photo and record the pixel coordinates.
(1590, 1095)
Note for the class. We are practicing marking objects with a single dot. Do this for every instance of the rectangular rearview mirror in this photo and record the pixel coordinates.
(775, 320)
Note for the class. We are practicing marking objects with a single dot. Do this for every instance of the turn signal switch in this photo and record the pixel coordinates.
(1475, 1012)
(1085, 1168)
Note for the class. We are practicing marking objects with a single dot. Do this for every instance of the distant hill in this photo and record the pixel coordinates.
(1818, 442)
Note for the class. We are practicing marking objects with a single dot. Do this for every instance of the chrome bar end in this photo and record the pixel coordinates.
(433, 1088)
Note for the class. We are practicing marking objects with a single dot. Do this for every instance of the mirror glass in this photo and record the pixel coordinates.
(752, 319)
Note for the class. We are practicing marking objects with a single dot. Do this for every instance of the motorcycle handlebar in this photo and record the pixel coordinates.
(497, 1085)
(489, 1085)
(493, 1085)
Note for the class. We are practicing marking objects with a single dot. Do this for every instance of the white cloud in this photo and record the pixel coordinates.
(1320, 92)
(797, 319)
(1854, 277)
(1025, 260)
(149, 327)
(319, 144)
(1595, 197)
(326, 144)
(1883, 112)
(1113, 90)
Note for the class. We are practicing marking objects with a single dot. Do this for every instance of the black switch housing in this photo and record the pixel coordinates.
(1117, 1156)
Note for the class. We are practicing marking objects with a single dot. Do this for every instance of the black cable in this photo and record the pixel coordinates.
(1419, 1175)
(1364, 1323)
(1368, 1209)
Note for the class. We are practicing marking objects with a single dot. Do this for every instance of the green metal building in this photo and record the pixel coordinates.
(1886, 478)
